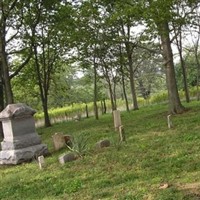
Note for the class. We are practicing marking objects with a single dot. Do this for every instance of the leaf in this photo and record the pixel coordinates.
(163, 186)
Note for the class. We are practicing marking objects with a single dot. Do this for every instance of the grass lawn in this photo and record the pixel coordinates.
(152, 155)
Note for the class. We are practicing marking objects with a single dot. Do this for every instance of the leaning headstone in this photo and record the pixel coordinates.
(67, 157)
(102, 144)
(121, 134)
(169, 122)
(21, 143)
(58, 141)
(117, 119)
(41, 162)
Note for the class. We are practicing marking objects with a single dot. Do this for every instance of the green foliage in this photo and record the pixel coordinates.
(160, 97)
(79, 144)
(71, 112)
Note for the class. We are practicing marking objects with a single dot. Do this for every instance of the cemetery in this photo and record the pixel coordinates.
(99, 100)
(153, 158)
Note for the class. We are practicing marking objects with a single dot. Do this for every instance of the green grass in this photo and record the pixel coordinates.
(152, 155)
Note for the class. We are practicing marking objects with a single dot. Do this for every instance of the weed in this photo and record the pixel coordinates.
(79, 144)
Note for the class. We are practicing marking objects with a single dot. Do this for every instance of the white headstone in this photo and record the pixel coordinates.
(41, 162)
(117, 119)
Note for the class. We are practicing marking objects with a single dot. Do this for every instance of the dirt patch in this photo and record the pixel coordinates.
(192, 190)
(191, 197)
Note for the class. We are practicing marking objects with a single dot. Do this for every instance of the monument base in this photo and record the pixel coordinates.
(17, 156)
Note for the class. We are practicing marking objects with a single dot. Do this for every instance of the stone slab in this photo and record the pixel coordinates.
(67, 157)
(103, 143)
(18, 156)
(21, 142)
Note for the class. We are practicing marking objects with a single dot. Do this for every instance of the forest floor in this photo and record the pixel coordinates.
(155, 162)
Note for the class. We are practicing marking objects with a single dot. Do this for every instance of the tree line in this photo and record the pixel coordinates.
(43, 43)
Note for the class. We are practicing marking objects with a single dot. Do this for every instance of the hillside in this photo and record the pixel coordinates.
(154, 163)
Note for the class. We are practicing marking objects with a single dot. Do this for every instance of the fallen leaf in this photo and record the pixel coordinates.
(164, 186)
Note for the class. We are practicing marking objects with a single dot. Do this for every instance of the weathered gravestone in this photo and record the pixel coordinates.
(117, 119)
(58, 141)
(102, 143)
(68, 157)
(41, 162)
(21, 143)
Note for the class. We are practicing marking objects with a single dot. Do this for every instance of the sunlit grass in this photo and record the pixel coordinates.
(152, 155)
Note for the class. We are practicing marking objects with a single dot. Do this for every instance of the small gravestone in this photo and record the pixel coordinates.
(67, 157)
(121, 134)
(58, 141)
(169, 122)
(102, 144)
(117, 119)
(41, 162)
(21, 143)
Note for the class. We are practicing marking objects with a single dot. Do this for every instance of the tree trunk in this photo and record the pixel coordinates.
(198, 74)
(5, 69)
(185, 85)
(104, 105)
(123, 79)
(86, 111)
(43, 93)
(102, 108)
(124, 91)
(112, 100)
(46, 114)
(129, 52)
(131, 76)
(175, 105)
(1, 89)
(95, 92)
(114, 95)
(1, 100)
(132, 83)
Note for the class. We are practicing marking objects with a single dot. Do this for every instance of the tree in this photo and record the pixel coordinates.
(41, 30)
(161, 24)
(122, 72)
(87, 41)
(194, 30)
(11, 18)
(178, 41)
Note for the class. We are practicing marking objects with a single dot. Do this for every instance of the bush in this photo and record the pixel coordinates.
(160, 97)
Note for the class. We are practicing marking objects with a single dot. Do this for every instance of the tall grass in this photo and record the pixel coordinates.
(79, 109)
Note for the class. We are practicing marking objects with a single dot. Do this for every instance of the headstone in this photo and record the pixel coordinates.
(169, 121)
(21, 143)
(121, 134)
(41, 162)
(67, 157)
(58, 141)
(103, 143)
(117, 119)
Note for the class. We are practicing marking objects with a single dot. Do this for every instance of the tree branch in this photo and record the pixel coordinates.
(19, 68)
